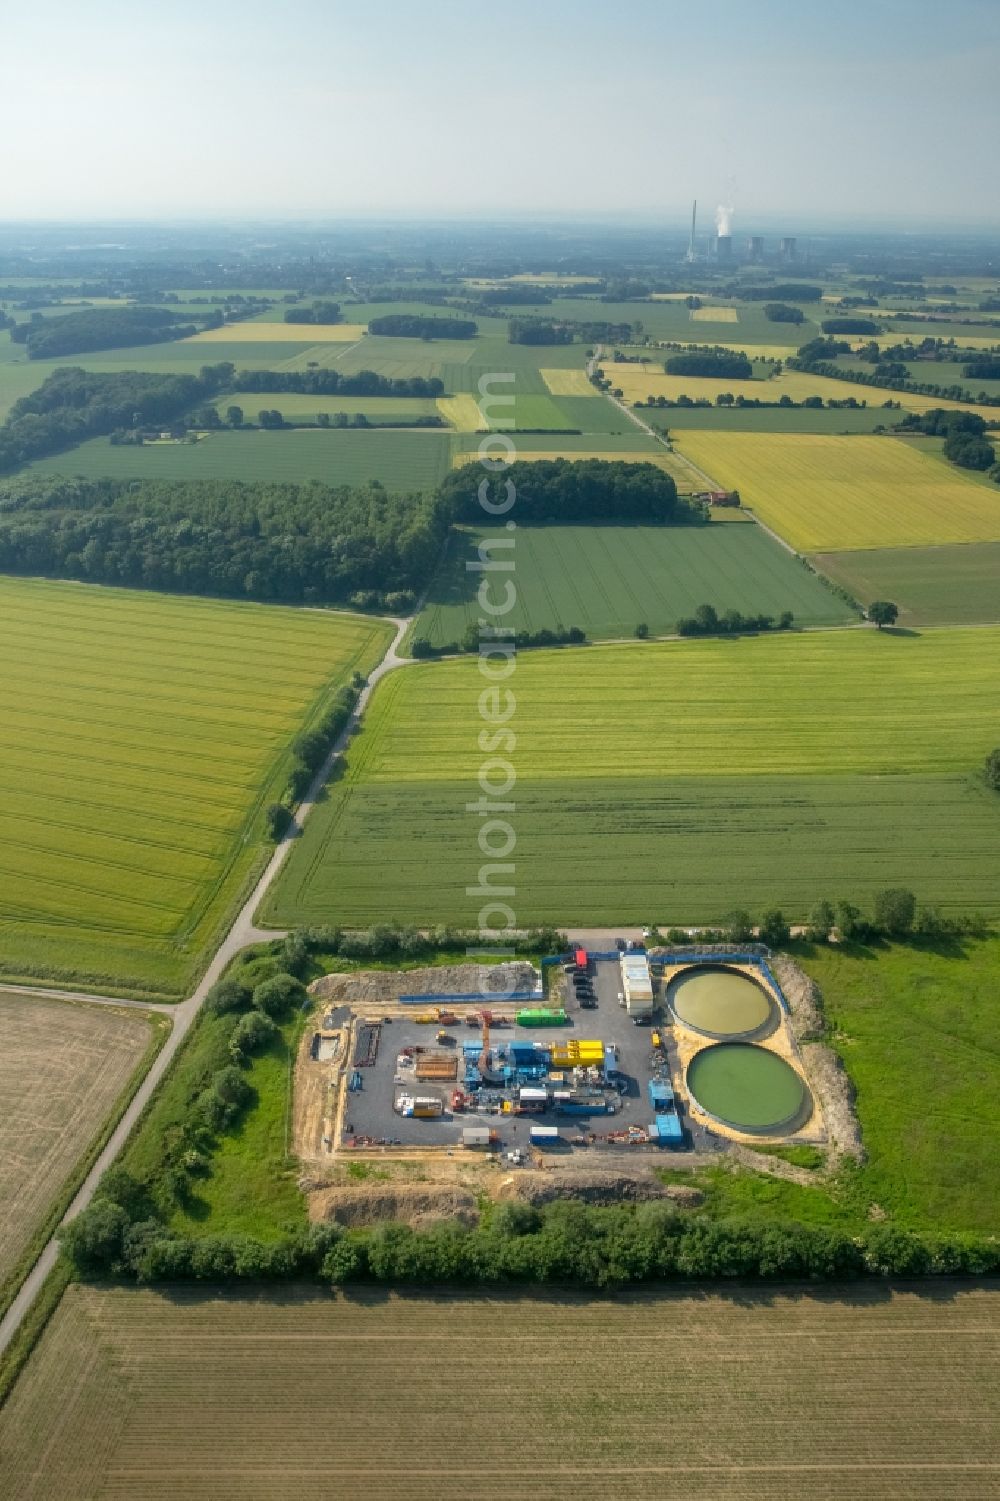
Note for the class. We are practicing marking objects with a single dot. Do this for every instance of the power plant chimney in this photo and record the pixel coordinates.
(692, 253)
(787, 247)
(724, 247)
(755, 248)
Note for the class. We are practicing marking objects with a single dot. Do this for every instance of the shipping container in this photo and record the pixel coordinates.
(540, 1016)
(588, 1051)
(529, 1095)
(581, 958)
(661, 1096)
(668, 1129)
(476, 1136)
(543, 1134)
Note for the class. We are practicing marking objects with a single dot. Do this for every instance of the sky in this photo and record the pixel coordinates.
(808, 113)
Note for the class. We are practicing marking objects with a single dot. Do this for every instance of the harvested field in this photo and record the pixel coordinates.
(463, 413)
(280, 333)
(63, 1065)
(824, 493)
(568, 382)
(751, 1395)
(714, 315)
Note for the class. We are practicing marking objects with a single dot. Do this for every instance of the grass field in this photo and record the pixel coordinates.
(931, 585)
(607, 579)
(773, 1396)
(770, 419)
(255, 332)
(143, 736)
(825, 493)
(671, 781)
(917, 1032)
(298, 406)
(400, 460)
(63, 1066)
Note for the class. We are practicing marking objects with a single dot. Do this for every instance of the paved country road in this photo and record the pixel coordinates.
(241, 934)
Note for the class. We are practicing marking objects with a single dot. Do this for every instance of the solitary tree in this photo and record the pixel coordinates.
(895, 910)
(882, 612)
(641, 631)
(234, 416)
(739, 925)
(774, 930)
(991, 769)
(821, 920)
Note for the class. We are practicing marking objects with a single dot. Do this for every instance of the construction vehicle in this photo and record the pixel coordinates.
(445, 1038)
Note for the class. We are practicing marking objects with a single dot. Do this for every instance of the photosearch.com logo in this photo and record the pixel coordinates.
(497, 740)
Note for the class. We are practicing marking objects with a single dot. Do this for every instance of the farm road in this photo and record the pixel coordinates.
(241, 934)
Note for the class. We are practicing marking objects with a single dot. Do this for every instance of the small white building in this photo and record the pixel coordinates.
(637, 985)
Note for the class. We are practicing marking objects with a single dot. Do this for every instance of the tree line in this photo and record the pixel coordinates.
(99, 328)
(554, 490)
(722, 364)
(552, 331)
(416, 326)
(965, 443)
(706, 621)
(316, 312)
(73, 405)
(299, 543)
(309, 543)
(331, 382)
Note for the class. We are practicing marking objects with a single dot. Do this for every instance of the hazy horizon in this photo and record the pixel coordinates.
(329, 113)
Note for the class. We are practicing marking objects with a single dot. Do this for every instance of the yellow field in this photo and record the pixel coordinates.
(824, 493)
(715, 315)
(280, 333)
(463, 413)
(568, 383)
(638, 382)
(540, 279)
(669, 296)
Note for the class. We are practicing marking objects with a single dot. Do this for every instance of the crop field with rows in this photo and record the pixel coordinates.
(606, 579)
(655, 780)
(931, 585)
(143, 737)
(191, 1394)
(826, 493)
(62, 1067)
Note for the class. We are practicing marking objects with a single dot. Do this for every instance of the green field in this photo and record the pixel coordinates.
(143, 736)
(931, 585)
(297, 406)
(400, 460)
(670, 781)
(770, 419)
(196, 1394)
(916, 1029)
(606, 579)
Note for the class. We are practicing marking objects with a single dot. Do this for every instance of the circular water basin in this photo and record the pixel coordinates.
(719, 1002)
(746, 1087)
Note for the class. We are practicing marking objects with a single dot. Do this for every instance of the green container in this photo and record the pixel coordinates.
(540, 1016)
